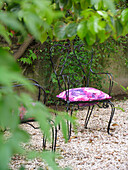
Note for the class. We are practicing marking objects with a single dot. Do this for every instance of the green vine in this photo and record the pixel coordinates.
(29, 58)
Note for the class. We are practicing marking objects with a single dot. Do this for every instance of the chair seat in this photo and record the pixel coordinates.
(84, 94)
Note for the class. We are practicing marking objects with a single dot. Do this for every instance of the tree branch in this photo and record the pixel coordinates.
(23, 47)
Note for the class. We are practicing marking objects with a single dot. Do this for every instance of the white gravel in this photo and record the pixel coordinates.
(89, 149)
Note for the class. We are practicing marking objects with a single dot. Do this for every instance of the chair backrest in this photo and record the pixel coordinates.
(40, 92)
(39, 96)
(71, 65)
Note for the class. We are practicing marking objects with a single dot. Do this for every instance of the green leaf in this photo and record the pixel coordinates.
(59, 30)
(64, 129)
(71, 29)
(1, 4)
(42, 115)
(82, 29)
(125, 29)
(5, 155)
(26, 60)
(33, 56)
(69, 4)
(102, 36)
(10, 71)
(8, 61)
(104, 14)
(12, 22)
(9, 114)
(50, 33)
(123, 87)
(43, 37)
(20, 136)
(36, 26)
(97, 4)
(60, 121)
(49, 157)
(87, 13)
(124, 16)
(4, 34)
(120, 108)
(90, 38)
(109, 4)
(93, 24)
(119, 27)
(63, 4)
(84, 4)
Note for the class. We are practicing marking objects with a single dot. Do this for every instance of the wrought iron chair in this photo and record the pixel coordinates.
(72, 67)
(41, 95)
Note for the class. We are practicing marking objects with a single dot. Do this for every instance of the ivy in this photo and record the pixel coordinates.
(29, 58)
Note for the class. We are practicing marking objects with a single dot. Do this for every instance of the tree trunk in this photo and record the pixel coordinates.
(18, 54)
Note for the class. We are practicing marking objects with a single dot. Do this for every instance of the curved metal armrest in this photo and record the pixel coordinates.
(39, 93)
(110, 79)
(35, 83)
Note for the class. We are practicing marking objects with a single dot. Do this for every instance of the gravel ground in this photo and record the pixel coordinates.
(89, 149)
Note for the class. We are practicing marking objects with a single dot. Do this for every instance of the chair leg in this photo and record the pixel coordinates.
(70, 126)
(44, 142)
(56, 108)
(111, 116)
(54, 138)
(88, 115)
(68, 123)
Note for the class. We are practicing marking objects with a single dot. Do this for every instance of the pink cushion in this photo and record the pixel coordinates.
(84, 94)
(23, 112)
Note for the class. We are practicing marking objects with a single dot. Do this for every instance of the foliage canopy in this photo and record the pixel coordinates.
(93, 21)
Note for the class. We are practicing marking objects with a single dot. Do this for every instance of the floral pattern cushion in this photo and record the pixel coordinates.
(84, 94)
(23, 112)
